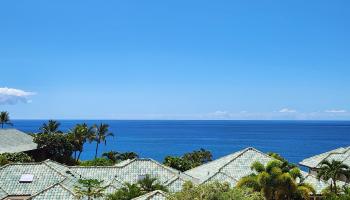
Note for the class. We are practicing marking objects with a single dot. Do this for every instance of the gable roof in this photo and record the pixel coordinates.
(340, 154)
(51, 177)
(155, 195)
(229, 168)
(13, 141)
(55, 192)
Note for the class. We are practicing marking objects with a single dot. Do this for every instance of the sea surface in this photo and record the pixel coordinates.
(295, 140)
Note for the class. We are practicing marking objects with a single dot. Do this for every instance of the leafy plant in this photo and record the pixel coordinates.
(90, 188)
(276, 182)
(188, 160)
(116, 156)
(214, 191)
(78, 137)
(19, 157)
(128, 192)
(96, 162)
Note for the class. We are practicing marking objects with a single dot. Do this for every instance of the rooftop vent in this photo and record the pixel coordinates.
(26, 178)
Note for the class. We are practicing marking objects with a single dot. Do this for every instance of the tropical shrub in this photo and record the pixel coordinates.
(188, 160)
(3, 160)
(276, 181)
(128, 192)
(97, 162)
(54, 146)
(90, 188)
(143, 186)
(116, 156)
(19, 157)
(214, 191)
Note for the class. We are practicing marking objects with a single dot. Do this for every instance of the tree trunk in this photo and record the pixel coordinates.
(96, 150)
(335, 186)
(79, 156)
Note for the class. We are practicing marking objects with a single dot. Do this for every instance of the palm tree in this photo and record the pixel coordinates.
(78, 136)
(149, 184)
(90, 188)
(5, 119)
(51, 127)
(129, 191)
(275, 183)
(333, 170)
(101, 133)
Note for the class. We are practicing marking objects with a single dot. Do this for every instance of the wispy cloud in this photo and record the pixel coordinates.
(336, 111)
(14, 96)
(287, 110)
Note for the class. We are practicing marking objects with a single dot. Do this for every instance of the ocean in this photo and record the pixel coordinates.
(294, 140)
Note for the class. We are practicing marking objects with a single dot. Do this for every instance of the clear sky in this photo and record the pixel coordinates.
(175, 59)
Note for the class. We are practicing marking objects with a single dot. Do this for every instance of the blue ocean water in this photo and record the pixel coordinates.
(295, 140)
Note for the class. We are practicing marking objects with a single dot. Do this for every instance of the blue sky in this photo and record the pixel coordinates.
(175, 59)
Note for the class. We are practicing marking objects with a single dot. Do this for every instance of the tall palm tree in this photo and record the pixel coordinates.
(333, 170)
(78, 136)
(275, 183)
(51, 127)
(5, 119)
(101, 134)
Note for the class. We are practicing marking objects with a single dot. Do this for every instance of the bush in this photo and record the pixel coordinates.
(214, 190)
(20, 157)
(97, 162)
(3, 160)
(188, 160)
(54, 146)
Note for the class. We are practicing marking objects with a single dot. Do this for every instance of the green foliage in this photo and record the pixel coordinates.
(19, 157)
(78, 136)
(344, 194)
(90, 188)
(116, 156)
(3, 160)
(188, 160)
(130, 191)
(51, 127)
(333, 170)
(214, 191)
(97, 162)
(149, 184)
(5, 119)
(276, 181)
(101, 133)
(54, 146)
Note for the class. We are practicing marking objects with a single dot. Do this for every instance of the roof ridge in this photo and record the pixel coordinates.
(218, 159)
(150, 194)
(240, 154)
(218, 172)
(335, 153)
(50, 187)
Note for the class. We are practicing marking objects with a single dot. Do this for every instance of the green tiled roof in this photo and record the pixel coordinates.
(12, 141)
(231, 167)
(318, 185)
(55, 192)
(3, 194)
(340, 154)
(56, 181)
(155, 195)
(43, 178)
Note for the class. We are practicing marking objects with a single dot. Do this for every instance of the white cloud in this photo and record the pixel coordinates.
(287, 110)
(336, 111)
(13, 96)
